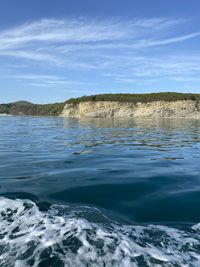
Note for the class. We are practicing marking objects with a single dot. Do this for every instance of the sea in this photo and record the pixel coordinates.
(99, 192)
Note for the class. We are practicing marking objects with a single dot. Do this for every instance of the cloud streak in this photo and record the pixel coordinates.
(31, 40)
(48, 81)
(116, 49)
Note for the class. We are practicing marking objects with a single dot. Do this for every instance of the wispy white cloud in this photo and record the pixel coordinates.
(127, 50)
(62, 31)
(41, 40)
(153, 68)
(186, 79)
(46, 80)
(134, 44)
(32, 55)
(169, 40)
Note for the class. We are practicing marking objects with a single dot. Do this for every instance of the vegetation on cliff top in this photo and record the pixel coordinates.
(144, 98)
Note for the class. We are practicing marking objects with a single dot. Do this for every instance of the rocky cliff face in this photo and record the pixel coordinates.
(157, 109)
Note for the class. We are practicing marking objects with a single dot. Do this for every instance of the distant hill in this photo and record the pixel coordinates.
(24, 103)
(28, 108)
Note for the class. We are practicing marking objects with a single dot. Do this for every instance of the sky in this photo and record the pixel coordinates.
(52, 50)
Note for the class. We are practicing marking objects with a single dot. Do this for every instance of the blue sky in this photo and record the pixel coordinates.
(52, 50)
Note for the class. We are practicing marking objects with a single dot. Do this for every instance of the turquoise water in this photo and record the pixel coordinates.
(99, 192)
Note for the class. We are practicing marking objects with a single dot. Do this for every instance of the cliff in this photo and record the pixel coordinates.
(117, 109)
(155, 105)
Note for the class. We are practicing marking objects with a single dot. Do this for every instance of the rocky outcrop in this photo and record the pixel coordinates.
(155, 109)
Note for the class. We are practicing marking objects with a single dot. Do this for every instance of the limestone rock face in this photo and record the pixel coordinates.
(156, 109)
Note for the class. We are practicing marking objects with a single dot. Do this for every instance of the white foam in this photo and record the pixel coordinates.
(30, 237)
(196, 227)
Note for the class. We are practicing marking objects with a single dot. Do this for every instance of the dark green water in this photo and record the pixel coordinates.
(99, 192)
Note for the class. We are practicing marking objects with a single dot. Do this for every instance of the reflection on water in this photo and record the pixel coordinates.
(132, 123)
(140, 170)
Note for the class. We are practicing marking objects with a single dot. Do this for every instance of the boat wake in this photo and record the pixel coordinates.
(62, 237)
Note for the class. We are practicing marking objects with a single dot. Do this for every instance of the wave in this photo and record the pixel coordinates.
(64, 237)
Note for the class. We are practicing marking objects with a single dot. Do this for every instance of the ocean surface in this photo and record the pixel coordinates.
(99, 192)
